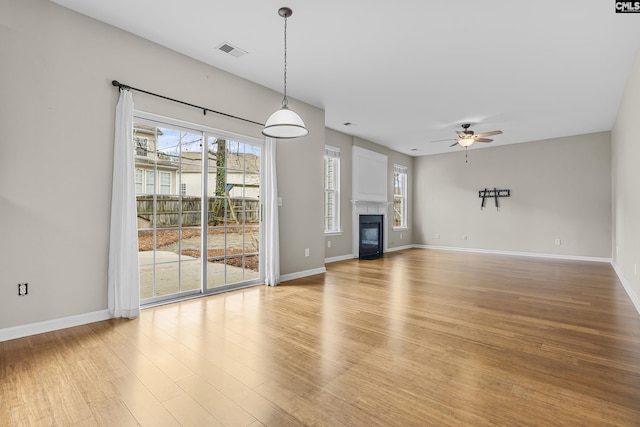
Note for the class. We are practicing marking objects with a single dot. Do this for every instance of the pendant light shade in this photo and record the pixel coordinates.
(285, 123)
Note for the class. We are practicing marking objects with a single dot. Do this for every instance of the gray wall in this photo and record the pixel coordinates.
(626, 183)
(57, 118)
(560, 189)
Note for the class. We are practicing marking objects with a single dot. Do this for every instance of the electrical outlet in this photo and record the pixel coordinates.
(306, 252)
(558, 242)
(23, 289)
(437, 235)
(328, 243)
(401, 236)
(464, 237)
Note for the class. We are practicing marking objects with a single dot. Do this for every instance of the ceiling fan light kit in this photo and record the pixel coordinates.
(466, 141)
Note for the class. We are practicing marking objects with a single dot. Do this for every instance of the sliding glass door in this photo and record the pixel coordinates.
(195, 189)
(233, 217)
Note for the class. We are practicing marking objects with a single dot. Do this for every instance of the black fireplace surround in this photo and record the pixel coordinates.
(370, 236)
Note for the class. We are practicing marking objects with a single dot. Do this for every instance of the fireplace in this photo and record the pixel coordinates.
(370, 236)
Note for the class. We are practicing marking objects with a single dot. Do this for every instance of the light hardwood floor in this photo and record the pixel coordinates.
(417, 338)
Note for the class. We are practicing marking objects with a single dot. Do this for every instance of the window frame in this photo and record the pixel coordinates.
(400, 173)
(332, 154)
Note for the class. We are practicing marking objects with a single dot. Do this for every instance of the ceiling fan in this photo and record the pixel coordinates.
(467, 137)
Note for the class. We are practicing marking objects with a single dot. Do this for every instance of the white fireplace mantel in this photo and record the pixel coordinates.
(366, 207)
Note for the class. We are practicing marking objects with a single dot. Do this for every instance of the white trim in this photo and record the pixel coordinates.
(338, 258)
(513, 253)
(635, 299)
(399, 248)
(21, 331)
(301, 274)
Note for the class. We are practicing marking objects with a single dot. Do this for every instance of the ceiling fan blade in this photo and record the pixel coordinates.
(493, 132)
(483, 140)
(441, 140)
(461, 134)
(454, 144)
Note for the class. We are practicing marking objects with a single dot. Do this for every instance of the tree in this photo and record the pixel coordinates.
(221, 182)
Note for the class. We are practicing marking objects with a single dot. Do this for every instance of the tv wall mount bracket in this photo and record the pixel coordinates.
(495, 194)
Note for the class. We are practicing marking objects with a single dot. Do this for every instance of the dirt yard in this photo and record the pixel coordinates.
(191, 242)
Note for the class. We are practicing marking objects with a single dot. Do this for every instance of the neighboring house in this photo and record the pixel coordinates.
(242, 169)
(242, 175)
(150, 167)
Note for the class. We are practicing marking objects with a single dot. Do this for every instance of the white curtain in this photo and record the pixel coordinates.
(272, 232)
(123, 278)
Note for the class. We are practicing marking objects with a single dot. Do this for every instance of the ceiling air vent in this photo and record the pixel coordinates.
(232, 50)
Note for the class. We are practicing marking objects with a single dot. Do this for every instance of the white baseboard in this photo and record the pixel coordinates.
(301, 274)
(514, 253)
(14, 332)
(635, 299)
(338, 258)
(398, 248)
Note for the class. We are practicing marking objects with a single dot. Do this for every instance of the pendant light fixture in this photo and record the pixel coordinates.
(285, 123)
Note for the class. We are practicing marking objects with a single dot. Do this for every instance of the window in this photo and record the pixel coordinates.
(144, 181)
(139, 181)
(331, 189)
(142, 145)
(399, 196)
(165, 182)
(149, 182)
(183, 189)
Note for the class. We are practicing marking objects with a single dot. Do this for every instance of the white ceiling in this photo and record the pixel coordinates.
(409, 72)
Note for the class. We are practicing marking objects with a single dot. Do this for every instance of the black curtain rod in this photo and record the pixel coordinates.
(204, 109)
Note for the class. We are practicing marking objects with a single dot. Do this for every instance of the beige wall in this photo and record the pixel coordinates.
(560, 189)
(56, 89)
(626, 184)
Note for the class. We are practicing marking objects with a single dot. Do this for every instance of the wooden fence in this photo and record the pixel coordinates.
(172, 211)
